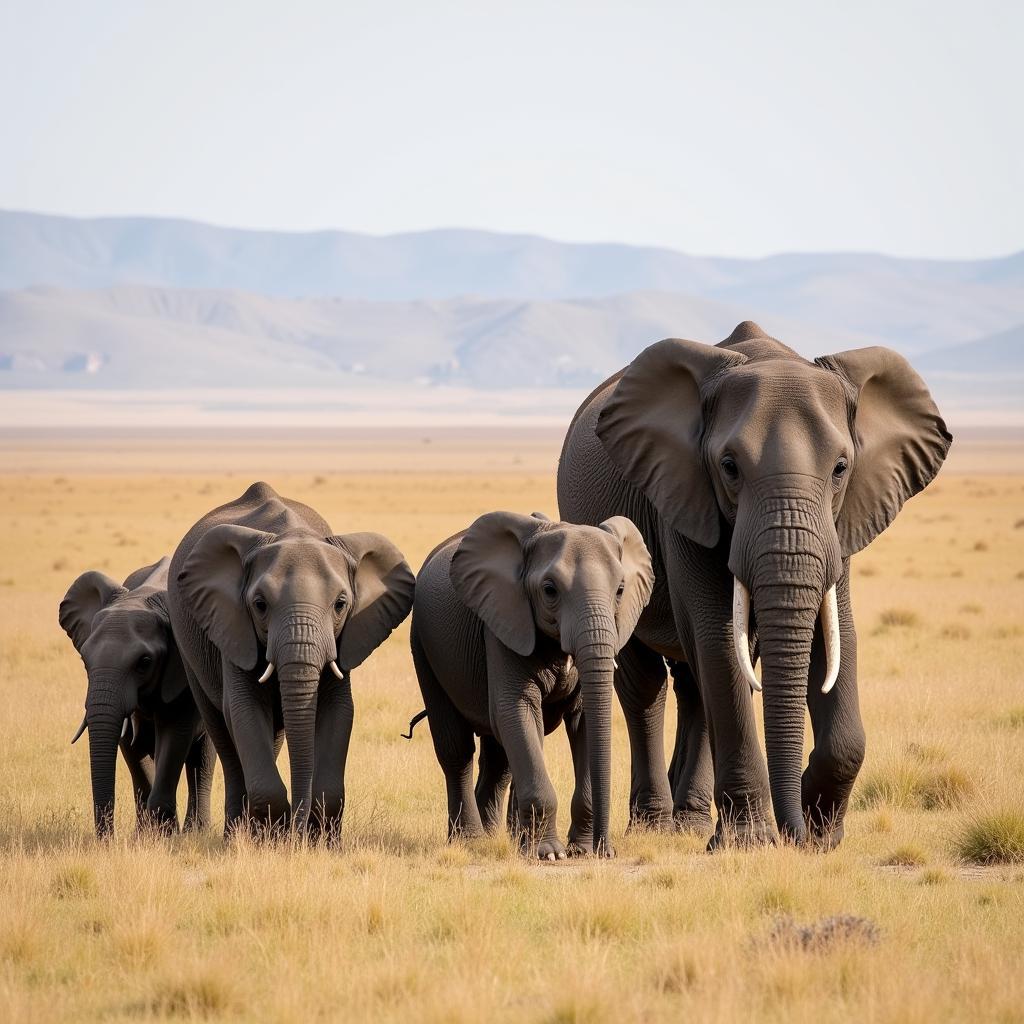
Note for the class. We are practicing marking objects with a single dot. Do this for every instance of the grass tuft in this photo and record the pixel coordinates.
(898, 618)
(996, 837)
(906, 856)
(915, 786)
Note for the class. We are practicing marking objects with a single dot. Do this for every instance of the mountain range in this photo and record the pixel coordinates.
(144, 302)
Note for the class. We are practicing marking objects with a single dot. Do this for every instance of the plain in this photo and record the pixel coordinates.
(899, 924)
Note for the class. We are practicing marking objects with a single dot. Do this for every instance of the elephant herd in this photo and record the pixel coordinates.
(712, 497)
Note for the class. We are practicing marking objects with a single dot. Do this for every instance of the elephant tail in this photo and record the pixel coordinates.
(413, 723)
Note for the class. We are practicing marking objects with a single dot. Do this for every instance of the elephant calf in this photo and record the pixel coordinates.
(138, 698)
(272, 610)
(516, 623)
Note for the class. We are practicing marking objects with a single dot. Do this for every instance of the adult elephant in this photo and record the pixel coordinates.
(272, 610)
(753, 475)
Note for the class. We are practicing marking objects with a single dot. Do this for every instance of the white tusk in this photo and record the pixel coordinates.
(124, 728)
(337, 671)
(740, 639)
(131, 718)
(267, 672)
(830, 628)
(81, 729)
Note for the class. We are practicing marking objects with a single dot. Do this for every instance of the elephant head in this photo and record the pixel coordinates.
(795, 465)
(583, 587)
(305, 604)
(125, 640)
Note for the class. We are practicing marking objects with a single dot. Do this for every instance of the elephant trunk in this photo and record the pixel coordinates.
(595, 653)
(105, 715)
(302, 654)
(786, 550)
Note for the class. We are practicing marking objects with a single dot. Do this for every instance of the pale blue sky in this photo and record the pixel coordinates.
(733, 128)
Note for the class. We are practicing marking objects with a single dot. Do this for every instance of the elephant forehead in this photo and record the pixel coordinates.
(572, 547)
(302, 560)
(121, 626)
(778, 395)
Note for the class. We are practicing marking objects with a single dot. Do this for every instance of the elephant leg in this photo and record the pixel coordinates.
(512, 812)
(173, 742)
(839, 741)
(520, 727)
(581, 827)
(220, 737)
(491, 783)
(691, 772)
(742, 796)
(334, 716)
(455, 747)
(138, 757)
(199, 766)
(642, 688)
(250, 720)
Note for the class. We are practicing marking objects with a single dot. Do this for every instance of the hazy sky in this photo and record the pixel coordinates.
(729, 128)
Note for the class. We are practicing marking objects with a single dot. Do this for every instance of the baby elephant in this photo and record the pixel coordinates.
(138, 698)
(516, 624)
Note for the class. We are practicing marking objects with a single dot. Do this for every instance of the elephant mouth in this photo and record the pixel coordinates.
(828, 615)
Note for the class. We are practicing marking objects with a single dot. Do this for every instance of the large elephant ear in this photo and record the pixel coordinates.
(651, 429)
(173, 680)
(383, 584)
(638, 574)
(487, 574)
(86, 596)
(901, 441)
(211, 584)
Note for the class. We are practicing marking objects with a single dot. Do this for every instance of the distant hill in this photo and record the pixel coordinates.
(142, 303)
(178, 338)
(915, 304)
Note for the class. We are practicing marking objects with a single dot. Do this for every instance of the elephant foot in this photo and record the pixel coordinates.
(654, 820)
(545, 849)
(743, 833)
(694, 823)
(823, 833)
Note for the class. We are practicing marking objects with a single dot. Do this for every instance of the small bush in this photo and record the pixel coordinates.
(901, 618)
(1013, 719)
(993, 838)
(906, 856)
(915, 786)
(824, 935)
(73, 881)
(934, 876)
(955, 631)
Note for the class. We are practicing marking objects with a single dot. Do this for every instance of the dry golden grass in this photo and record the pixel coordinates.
(894, 926)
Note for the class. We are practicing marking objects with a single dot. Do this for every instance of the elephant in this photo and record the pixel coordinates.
(272, 611)
(137, 681)
(753, 475)
(516, 623)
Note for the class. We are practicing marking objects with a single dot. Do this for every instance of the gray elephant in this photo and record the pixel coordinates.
(753, 476)
(138, 698)
(515, 626)
(272, 611)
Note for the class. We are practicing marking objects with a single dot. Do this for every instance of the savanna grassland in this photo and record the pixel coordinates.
(919, 916)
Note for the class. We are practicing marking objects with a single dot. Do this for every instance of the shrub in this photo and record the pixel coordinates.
(906, 856)
(993, 838)
(903, 618)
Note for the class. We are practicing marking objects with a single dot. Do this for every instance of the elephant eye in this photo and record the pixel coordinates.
(259, 603)
(729, 467)
(549, 588)
(339, 604)
(145, 663)
(841, 467)
(621, 590)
